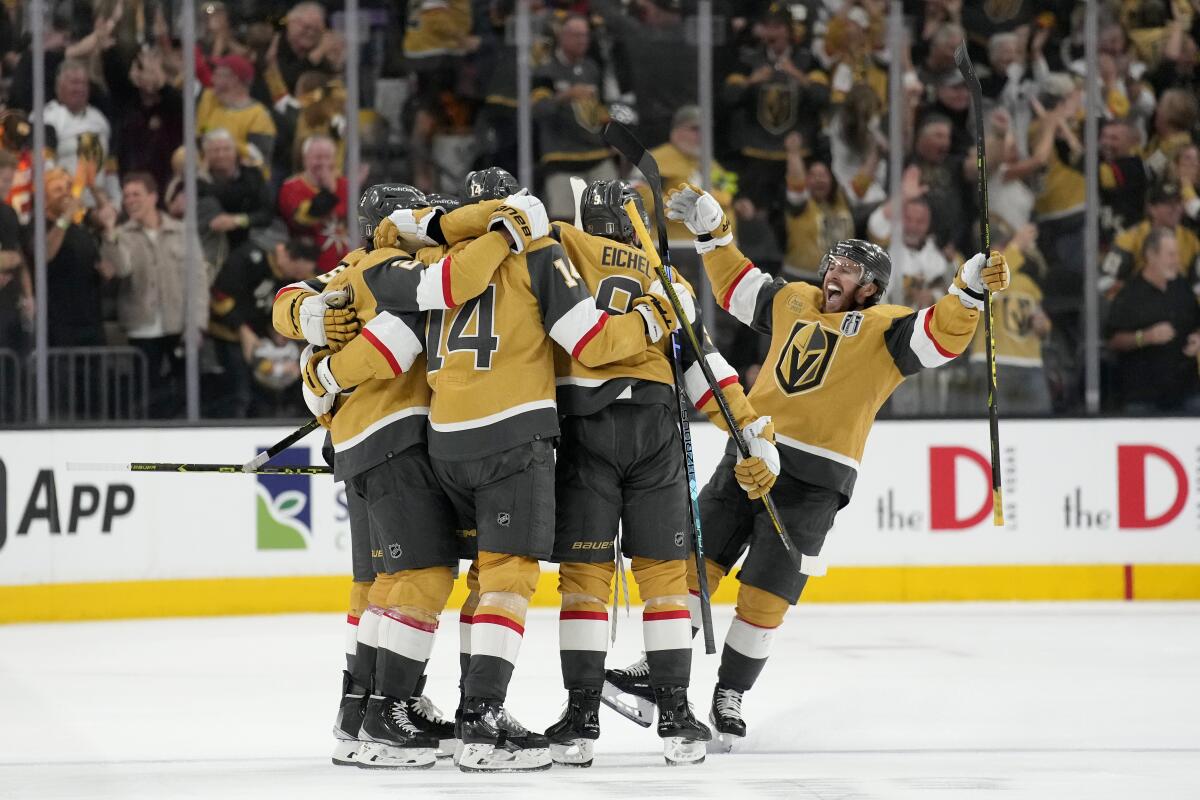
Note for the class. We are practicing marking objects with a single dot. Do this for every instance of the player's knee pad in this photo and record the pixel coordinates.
(712, 569)
(358, 597)
(661, 580)
(501, 572)
(423, 590)
(585, 585)
(759, 607)
(381, 588)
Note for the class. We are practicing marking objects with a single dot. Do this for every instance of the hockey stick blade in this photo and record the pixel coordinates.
(283, 444)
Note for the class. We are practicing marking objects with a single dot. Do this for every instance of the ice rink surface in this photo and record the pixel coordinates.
(865, 701)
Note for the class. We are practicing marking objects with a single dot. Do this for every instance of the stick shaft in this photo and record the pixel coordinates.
(283, 444)
(225, 469)
(985, 236)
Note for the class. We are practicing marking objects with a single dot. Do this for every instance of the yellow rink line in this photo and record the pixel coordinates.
(323, 593)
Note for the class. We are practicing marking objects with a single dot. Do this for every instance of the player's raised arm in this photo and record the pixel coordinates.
(571, 318)
(741, 288)
(937, 334)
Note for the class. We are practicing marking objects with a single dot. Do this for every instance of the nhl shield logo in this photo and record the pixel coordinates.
(394, 551)
(805, 358)
(503, 519)
(679, 539)
(851, 323)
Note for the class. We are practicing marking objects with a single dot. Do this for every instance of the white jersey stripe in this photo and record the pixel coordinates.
(745, 294)
(923, 345)
(430, 291)
(576, 323)
(812, 449)
(405, 640)
(499, 641)
(378, 425)
(583, 634)
(749, 640)
(693, 379)
(491, 419)
(397, 337)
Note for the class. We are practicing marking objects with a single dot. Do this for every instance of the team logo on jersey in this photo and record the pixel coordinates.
(805, 358)
(777, 108)
(284, 513)
(851, 323)
(590, 115)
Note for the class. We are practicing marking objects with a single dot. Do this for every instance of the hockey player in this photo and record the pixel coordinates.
(835, 357)
(621, 462)
(378, 437)
(492, 423)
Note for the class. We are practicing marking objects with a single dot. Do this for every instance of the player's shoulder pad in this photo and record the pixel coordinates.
(886, 311)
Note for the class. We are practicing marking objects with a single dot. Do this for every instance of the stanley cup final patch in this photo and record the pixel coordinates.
(851, 323)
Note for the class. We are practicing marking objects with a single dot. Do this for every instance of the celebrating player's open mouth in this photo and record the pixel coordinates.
(842, 284)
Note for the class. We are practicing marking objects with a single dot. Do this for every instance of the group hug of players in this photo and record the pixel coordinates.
(468, 341)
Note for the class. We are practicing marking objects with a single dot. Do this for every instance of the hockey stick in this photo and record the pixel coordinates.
(626, 144)
(985, 234)
(283, 444)
(619, 137)
(225, 469)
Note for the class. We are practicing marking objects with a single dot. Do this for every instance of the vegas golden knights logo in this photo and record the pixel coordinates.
(806, 357)
(776, 108)
(590, 114)
(1017, 313)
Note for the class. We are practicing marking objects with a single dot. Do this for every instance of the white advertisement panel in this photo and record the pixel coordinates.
(1076, 492)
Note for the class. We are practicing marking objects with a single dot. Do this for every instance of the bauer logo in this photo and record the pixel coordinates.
(283, 513)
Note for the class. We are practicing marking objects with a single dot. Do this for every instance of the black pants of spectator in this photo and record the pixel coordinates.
(236, 390)
(164, 372)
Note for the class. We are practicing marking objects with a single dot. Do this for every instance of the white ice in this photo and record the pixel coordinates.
(866, 701)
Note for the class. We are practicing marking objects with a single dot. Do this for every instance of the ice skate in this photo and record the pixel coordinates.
(572, 736)
(427, 717)
(627, 691)
(494, 742)
(683, 735)
(390, 740)
(348, 722)
(726, 718)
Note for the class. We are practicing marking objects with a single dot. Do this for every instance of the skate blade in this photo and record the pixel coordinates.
(573, 753)
(723, 743)
(373, 755)
(447, 748)
(487, 758)
(680, 752)
(629, 706)
(345, 752)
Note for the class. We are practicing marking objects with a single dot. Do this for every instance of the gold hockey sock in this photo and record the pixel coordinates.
(583, 623)
(748, 644)
(665, 620)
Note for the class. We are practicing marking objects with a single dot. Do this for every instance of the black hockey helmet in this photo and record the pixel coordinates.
(380, 200)
(602, 210)
(875, 262)
(445, 202)
(492, 183)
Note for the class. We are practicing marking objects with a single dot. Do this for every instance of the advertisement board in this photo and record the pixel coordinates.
(1107, 495)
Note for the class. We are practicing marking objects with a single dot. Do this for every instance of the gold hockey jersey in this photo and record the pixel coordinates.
(387, 411)
(616, 274)
(491, 359)
(826, 375)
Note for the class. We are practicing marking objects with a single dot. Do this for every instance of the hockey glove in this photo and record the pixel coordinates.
(756, 474)
(657, 314)
(406, 228)
(703, 216)
(525, 218)
(325, 321)
(981, 274)
(685, 298)
(319, 386)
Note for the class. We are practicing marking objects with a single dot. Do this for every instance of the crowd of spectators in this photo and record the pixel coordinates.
(801, 160)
